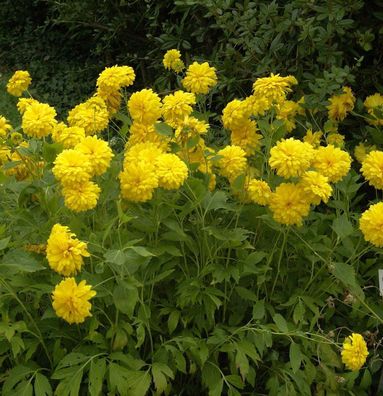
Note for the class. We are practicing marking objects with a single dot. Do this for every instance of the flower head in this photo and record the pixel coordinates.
(147, 152)
(91, 115)
(372, 168)
(291, 157)
(258, 191)
(316, 186)
(354, 352)
(82, 196)
(71, 167)
(5, 126)
(138, 181)
(373, 103)
(313, 138)
(171, 171)
(64, 252)
(371, 224)
(361, 151)
(172, 60)
(112, 79)
(289, 204)
(71, 300)
(233, 162)
(19, 82)
(332, 162)
(235, 114)
(39, 120)
(177, 106)
(112, 101)
(273, 88)
(246, 136)
(200, 78)
(140, 133)
(145, 106)
(67, 136)
(98, 152)
(24, 103)
(340, 105)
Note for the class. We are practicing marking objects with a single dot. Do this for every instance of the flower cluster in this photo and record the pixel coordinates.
(172, 61)
(19, 82)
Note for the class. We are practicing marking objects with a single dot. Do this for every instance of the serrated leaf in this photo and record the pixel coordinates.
(42, 386)
(342, 226)
(17, 260)
(217, 200)
(125, 297)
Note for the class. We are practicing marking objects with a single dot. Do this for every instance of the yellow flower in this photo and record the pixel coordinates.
(5, 126)
(258, 191)
(39, 120)
(340, 105)
(98, 152)
(112, 101)
(145, 107)
(71, 301)
(257, 105)
(371, 224)
(24, 103)
(354, 352)
(372, 169)
(140, 133)
(336, 139)
(235, 114)
(361, 151)
(138, 181)
(18, 83)
(67, 136)
(177, 106)
(332, 162)
(71, 167)
(246, 137)
(373, 103)
(287, 111)
(147, 152)
(313, 137)
(316, 186)
(233, 162)
(171, 171)
(5, 155)
(188, 128)
(200, 78)
(289, 204)
(291, 157)
(64, 252)
(82, 196)
(112, 79)
(172, 60)
(273, 88)
(91, 115)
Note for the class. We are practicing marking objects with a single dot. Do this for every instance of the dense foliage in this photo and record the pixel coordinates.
(172, 266)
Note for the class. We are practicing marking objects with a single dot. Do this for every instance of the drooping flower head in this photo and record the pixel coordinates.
(172, 60)
(289, 204)
(354, 352)
(98, 152)
(5, 126)
(291, 157)
(71, 300)
(372, 168)
(332, 162)
(19, 83)
(200, 78)
(81, 197)
(39, 120)
(340, 105)
(91, 115)
(67, 136)
(64, 251)
(177, 106)
(316, 186)
(171, 171)
(371, 224)
(145, 107)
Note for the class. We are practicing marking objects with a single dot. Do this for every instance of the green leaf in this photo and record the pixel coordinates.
(14, 377)
(115, 256)
(50, 151)
(246, 294)
(295, 356)
(159, 372)
(163, 129)
(259, 309)
(346, 274)
(173, 320)
(142, 251)
(17, 260)
(215, 201)
(342, 226)
(235, 380)
(125, 297)
(281, 323)
(42, 385)
(96, 376)
(4, 243)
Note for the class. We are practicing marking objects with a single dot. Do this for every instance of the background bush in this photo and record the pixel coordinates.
(65, 44)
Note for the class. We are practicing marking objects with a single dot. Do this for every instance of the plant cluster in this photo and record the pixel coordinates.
(140, 255)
